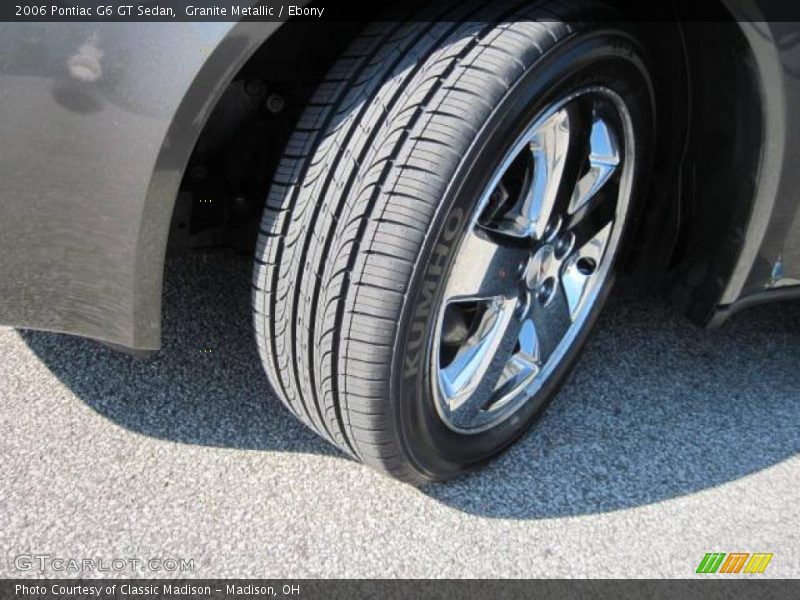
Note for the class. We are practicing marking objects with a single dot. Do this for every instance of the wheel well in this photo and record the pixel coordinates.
(709, 148)
(225, 182)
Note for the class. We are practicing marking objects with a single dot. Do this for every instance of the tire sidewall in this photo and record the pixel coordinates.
(609, 58)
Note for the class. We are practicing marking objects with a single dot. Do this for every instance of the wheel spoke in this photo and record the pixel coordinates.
(592, 218)
(558, 148)
(603, 163)
(484, 268)
(464, 381)
(521, 367)
(548, 148)
(581, 266)
(551, 320)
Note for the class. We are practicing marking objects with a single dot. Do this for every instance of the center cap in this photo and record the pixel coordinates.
(543, 271)
(542, 266)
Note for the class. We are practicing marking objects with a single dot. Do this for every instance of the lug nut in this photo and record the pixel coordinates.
(563, 245)
(552, 229)
(275, 103)
(545, 291)
(255, 88)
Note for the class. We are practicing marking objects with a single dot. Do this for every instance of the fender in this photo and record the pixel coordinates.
(103, 118)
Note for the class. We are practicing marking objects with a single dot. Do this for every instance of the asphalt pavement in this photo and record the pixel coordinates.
(666, 443)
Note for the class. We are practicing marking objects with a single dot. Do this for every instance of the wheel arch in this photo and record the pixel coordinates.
(246, 46)
(218, 70)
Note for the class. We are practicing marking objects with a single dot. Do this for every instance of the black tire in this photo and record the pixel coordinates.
(399, 137)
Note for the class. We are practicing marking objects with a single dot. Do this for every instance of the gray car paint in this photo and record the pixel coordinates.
(97, 123)
(770, 257)
(778, 262)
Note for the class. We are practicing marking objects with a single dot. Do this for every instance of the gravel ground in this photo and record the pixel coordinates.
(666, 443)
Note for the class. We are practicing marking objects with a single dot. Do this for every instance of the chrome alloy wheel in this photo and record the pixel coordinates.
(538, 249)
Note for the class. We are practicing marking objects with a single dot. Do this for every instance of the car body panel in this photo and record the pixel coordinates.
(770, 256)
(98, 121)
(777, 264)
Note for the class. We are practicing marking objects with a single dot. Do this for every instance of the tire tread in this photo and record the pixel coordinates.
(352, 199)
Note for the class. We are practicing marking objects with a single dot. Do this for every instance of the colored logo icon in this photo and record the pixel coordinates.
(734, 562)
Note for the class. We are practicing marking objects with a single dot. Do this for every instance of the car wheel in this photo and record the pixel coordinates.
(445, 226)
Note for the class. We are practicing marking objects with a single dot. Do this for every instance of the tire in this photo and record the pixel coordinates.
(371, 202)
